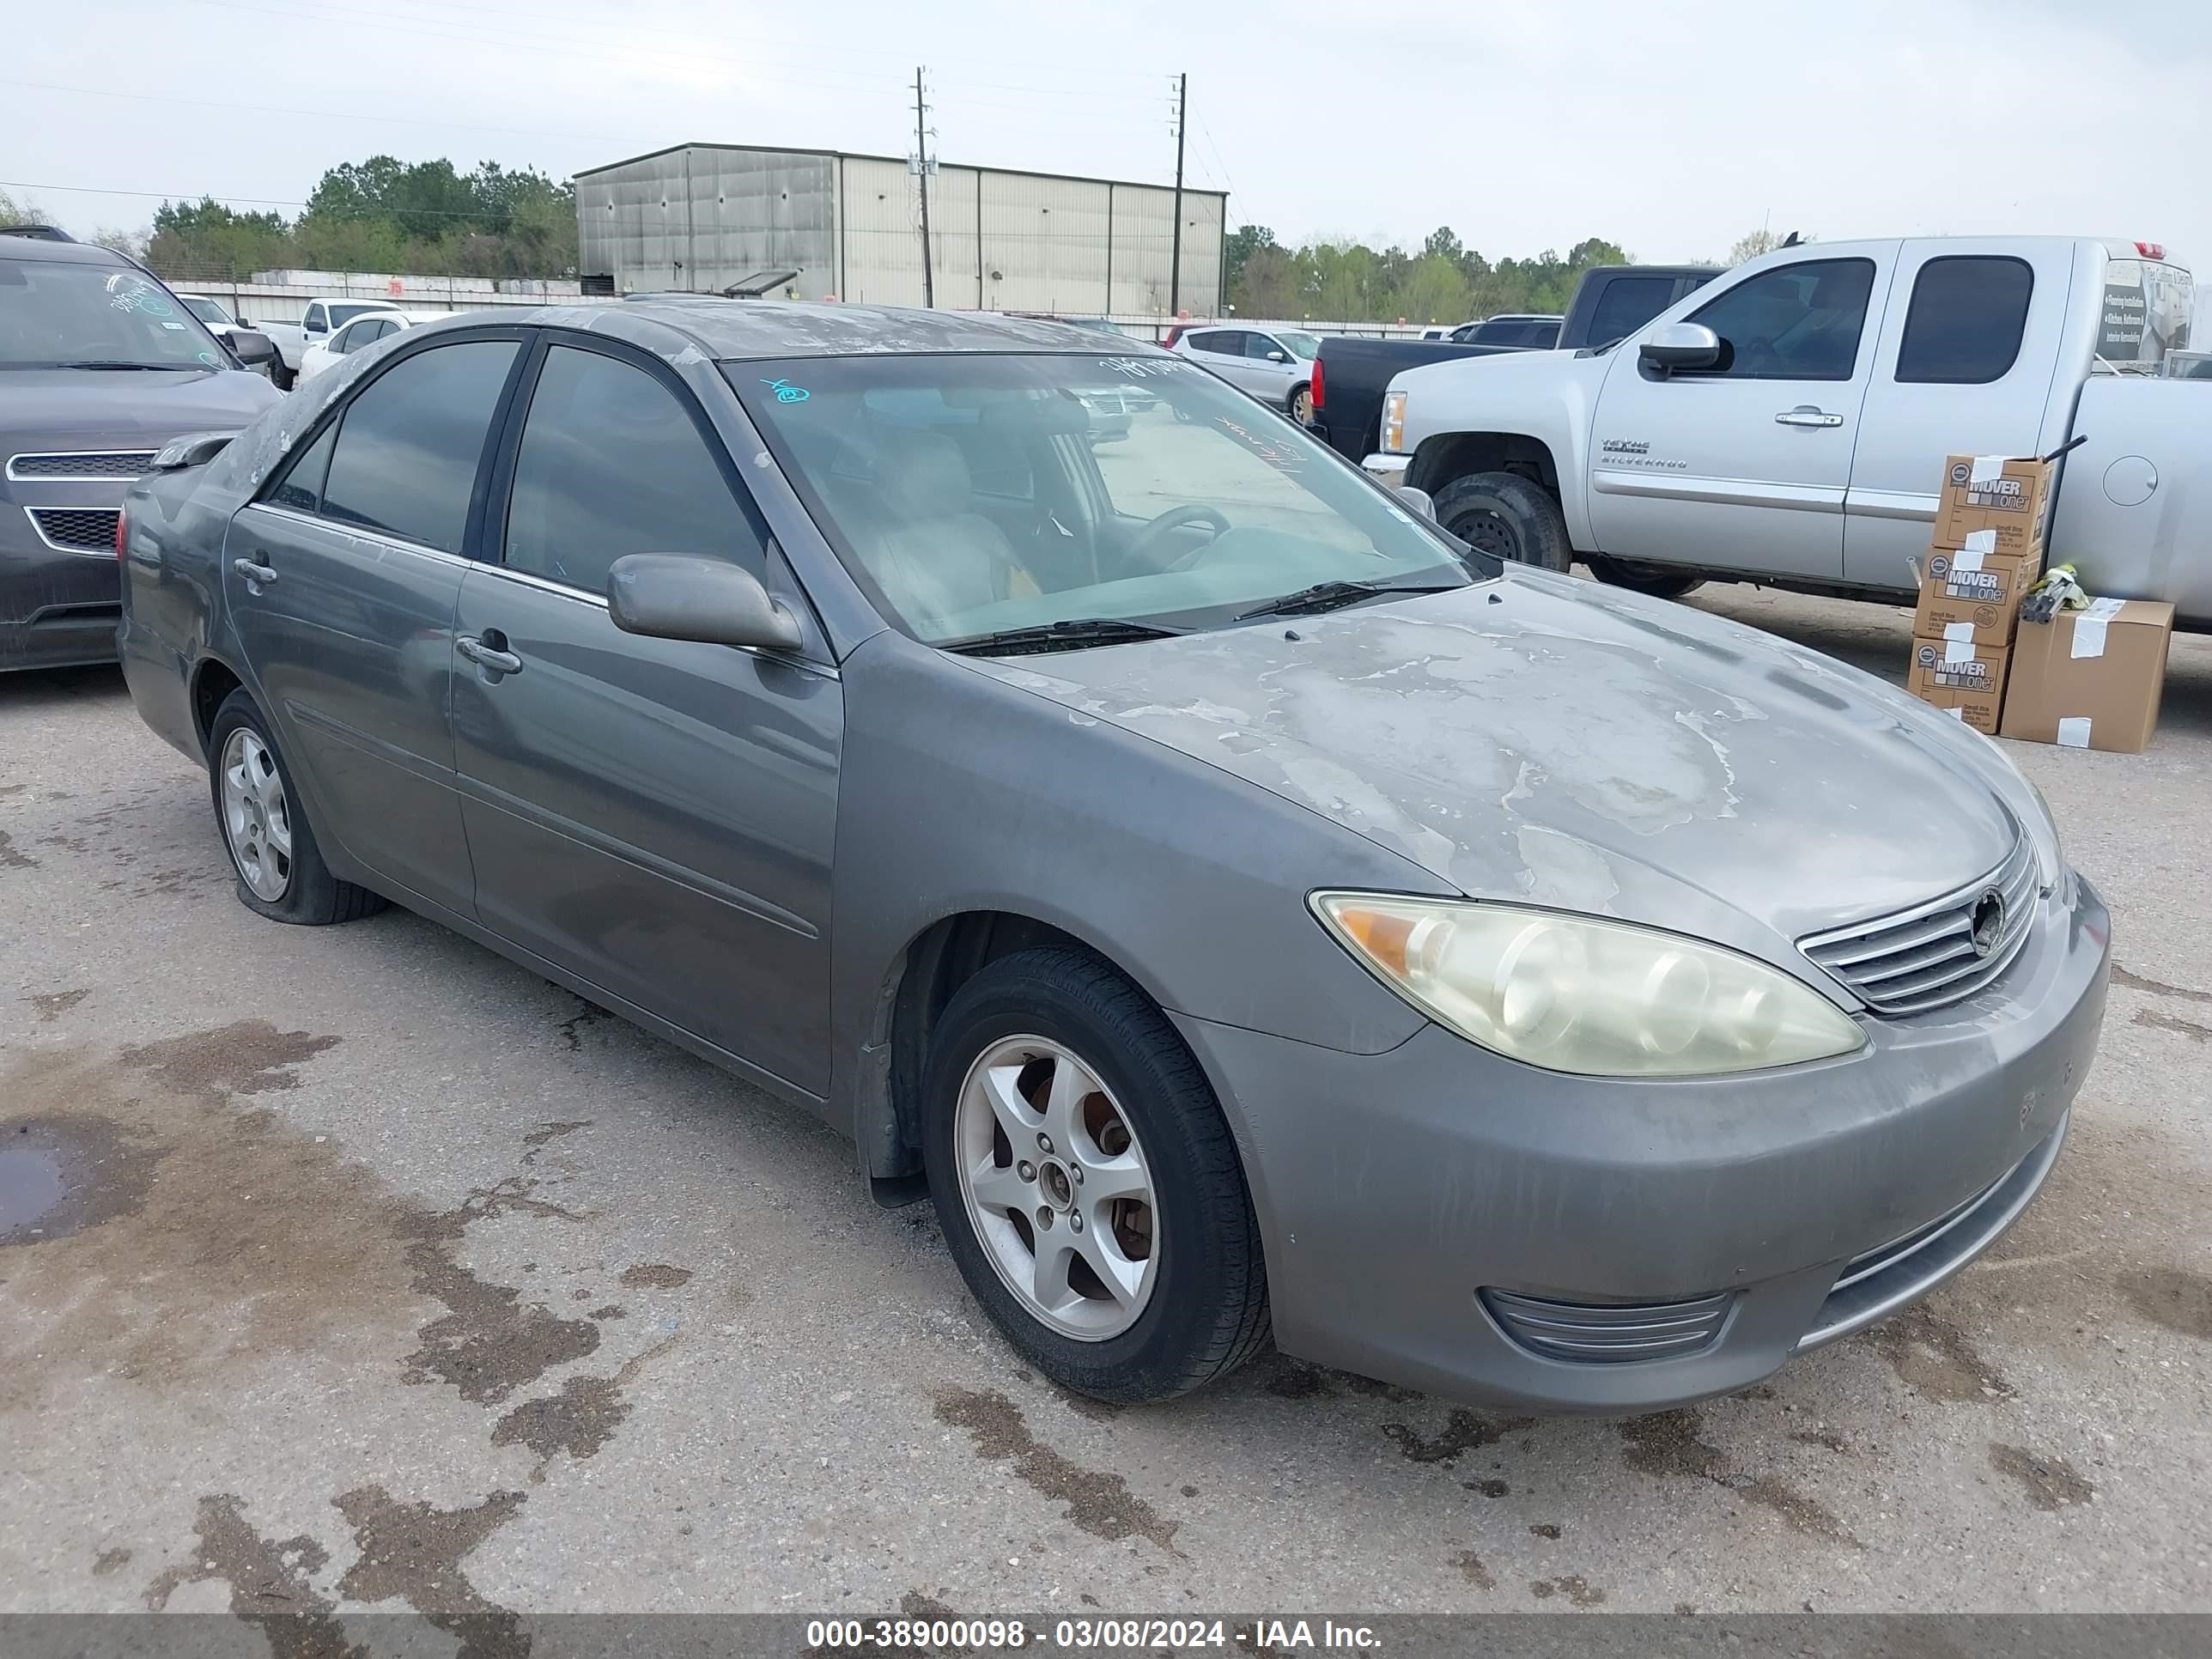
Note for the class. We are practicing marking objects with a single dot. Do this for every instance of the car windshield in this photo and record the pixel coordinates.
(57, 314)
(205, 309)
(1306, 345)
(972, 494)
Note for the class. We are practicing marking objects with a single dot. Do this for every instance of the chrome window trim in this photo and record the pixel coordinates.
(339, 527)
(14, 476)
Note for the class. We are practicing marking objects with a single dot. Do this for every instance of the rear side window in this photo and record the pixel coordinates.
(611, 463)
(1798, 322)
(299, 487)
(1626, 304)
(409, 445)
(1968, 314)
(1228, 342)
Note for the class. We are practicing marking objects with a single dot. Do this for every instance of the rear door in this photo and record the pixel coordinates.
(341, 579)
(655, 816)
(1744, 466)
(1969, 350)
(1222, 350)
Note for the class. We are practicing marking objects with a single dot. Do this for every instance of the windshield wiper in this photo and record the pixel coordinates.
(1331, 596)
(1072, 634)
(157, 368)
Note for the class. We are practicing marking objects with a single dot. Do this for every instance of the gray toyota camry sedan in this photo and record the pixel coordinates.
(1239, 909)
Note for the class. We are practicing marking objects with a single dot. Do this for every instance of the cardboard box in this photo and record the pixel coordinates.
(1969, 594)
(1966, 679)
(2010, 497)
(2091, 679)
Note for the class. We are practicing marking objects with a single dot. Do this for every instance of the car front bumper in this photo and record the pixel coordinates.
(57, 606)
(1438, 1216)
(1388, 469)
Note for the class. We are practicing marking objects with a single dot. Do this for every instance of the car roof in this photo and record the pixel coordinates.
(743, 329)
(62, 253)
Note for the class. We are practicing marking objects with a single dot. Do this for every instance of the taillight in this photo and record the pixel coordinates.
(2151, 250)
(1314, 391)
(122, 529)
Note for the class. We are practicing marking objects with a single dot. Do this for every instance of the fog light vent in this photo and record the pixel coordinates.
(1607, 1334)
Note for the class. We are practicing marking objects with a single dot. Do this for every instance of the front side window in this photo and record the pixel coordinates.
(409, 443)
(299, 486)
(1967, 318)
(611, 463)
(63, 314)
(1205, 506)
(1263, 347)
(1799, 322)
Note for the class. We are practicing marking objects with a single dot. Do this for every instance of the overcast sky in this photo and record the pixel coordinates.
(1671, 129)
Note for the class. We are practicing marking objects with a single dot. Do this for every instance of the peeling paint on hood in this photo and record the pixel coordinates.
(1541, 738)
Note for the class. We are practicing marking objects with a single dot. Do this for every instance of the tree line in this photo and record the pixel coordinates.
(380, 215)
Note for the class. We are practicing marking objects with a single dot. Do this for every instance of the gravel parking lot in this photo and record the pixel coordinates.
(388, 1273)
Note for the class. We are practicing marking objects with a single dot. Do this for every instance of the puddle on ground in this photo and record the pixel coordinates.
(62, 1174)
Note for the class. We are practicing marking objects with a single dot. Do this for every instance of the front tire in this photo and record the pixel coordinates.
(280, 870)
(1088, 1186)
(1507, 517)
(1661, 581)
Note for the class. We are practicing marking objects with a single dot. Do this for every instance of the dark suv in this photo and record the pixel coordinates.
(100, 367)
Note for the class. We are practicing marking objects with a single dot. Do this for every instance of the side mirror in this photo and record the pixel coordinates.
(677, 596)
(254, 350)
(1277, 357)
(1419, 500)
(245, 322)
(1681, 345)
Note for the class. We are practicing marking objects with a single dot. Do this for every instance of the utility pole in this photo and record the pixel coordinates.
(1174, 274)
(921, 179)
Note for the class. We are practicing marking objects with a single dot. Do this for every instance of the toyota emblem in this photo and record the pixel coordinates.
(1989, 921)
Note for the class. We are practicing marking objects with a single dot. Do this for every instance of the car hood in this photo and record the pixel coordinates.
(89, 408)
(1543, 739)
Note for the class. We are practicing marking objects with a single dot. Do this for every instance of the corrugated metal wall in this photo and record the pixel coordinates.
(702, 216)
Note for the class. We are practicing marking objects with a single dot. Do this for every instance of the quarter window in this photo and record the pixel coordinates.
(611, 463)
(1797, 322)
(1968, 315)
(409, 445)
(300, 485)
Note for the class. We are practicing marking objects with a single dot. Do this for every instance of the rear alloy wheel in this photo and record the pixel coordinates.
(1302, 405)
(280, 870)
(1507, 517)
(1089, 1188)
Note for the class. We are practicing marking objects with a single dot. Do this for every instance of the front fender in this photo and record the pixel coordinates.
(1547, 399)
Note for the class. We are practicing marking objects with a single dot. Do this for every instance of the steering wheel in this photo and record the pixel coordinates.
(1173, 518)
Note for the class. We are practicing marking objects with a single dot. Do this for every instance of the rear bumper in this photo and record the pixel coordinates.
(1437, 1216)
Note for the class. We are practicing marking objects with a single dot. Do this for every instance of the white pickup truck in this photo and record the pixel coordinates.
(1788, 423)
(323, 318)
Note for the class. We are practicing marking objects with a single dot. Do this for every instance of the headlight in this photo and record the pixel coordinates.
(1394, 422)
(1572, 994)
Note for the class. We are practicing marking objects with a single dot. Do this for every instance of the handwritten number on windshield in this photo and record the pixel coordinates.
(786, 393)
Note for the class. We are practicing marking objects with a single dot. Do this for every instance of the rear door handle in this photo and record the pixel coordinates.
(1807, 414)
(486, 657)
(254, 571)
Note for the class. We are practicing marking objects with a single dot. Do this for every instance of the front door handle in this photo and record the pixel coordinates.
(254, 571)
(1807, 414)
(488, 658)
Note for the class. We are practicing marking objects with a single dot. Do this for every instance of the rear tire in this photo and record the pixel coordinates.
(1507, 517)
(280, 870)
(1301, 404)
(1661, 581)
(1196, 1308)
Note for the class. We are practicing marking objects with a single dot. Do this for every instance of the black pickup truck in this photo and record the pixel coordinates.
(1611, 302)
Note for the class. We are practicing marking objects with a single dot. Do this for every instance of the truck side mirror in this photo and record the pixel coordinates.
(1679, 345)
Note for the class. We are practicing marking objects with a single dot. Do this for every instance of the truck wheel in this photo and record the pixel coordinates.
(1505, 515)
(1659, 580)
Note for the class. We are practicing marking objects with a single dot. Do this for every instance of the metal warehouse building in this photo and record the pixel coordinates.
(701, 217)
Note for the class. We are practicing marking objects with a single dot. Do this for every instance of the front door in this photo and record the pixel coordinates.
(341, 580)
(1743, 465)
(1269, 367)
(655, 816)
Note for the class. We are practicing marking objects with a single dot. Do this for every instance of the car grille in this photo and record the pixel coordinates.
(1928, 957)
(1602, 1333)
(102, 464)
(77, 529)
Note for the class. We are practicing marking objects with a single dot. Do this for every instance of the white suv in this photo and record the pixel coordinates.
(1275, 365)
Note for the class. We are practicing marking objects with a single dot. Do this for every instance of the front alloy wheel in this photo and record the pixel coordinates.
(1057, 1188)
